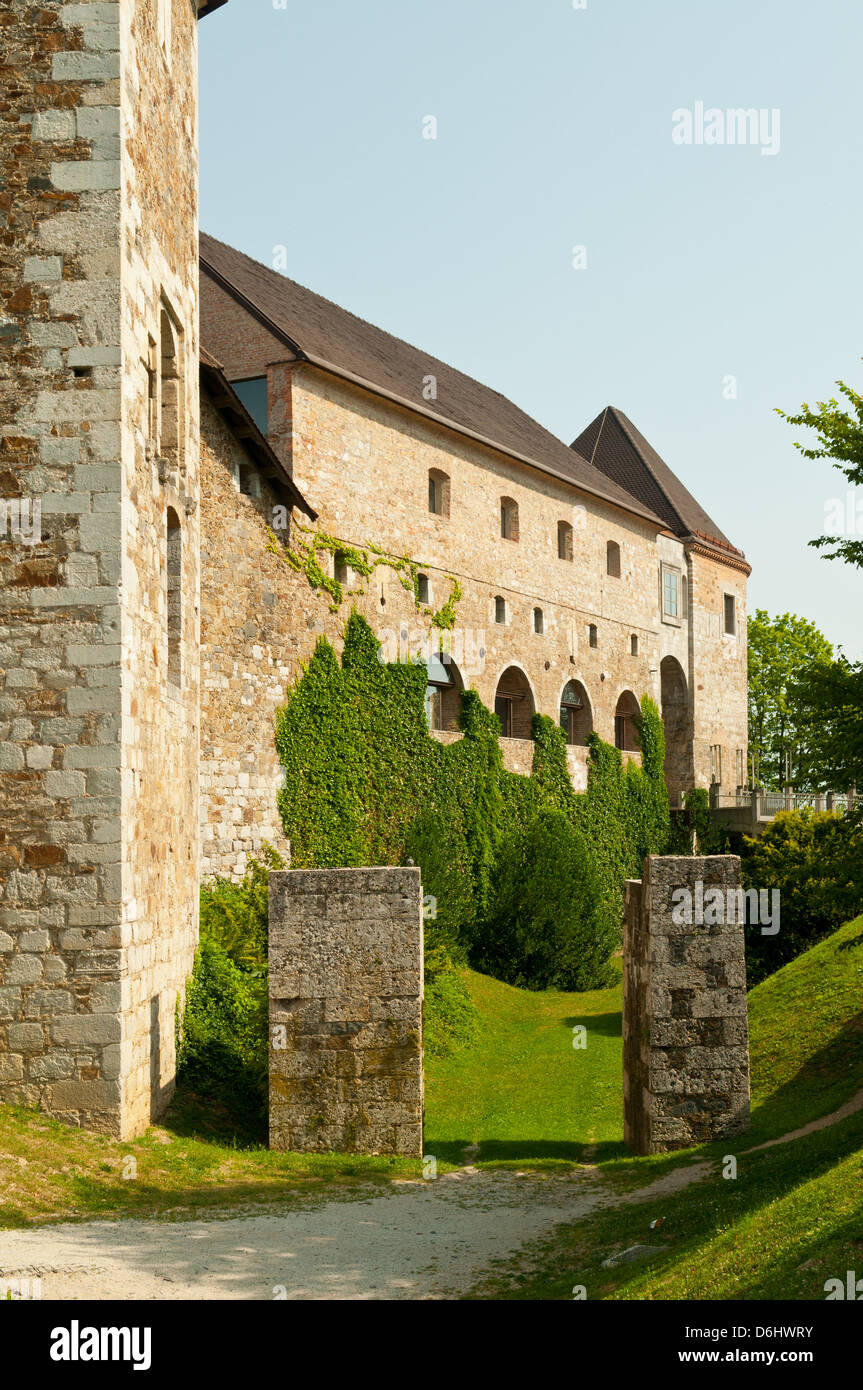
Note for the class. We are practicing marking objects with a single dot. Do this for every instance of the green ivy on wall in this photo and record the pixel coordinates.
(303, 556)
(365, 783)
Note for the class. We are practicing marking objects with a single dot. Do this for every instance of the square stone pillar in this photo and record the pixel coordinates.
(685, 1039)
(346, 992)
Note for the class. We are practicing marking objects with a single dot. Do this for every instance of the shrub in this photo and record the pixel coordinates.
(450, 1017)
(222, 1038)
(550, 927)
(815, 859)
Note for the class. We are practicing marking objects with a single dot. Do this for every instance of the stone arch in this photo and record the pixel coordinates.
(576, 715)
(514, 704)
(443, 693)
(626, 712)
(674, 699)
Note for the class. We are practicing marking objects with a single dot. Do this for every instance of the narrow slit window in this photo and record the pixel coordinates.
(175, 599)
(538, 621)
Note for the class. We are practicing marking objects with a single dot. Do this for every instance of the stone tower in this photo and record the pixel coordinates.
(99, 644)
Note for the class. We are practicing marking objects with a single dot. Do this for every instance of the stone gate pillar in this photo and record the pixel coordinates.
(685, 1039)
(346, 990)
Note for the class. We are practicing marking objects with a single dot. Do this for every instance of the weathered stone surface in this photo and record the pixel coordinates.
(346, 987)
(94, 251)
(685, 1042)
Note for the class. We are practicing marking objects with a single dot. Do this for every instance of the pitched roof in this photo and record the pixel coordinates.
(621, 453)
(207, 6)
(315, 330)
(223, 396)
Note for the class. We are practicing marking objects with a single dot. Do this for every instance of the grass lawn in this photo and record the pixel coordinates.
(525, 1096)
(524, 1092)
(791, 1219)
(184, 1167)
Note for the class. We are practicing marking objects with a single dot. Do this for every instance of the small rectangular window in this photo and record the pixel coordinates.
(716, 763)
(538, 620)
(423, 590)
(500, 610)
(253, 392)
(730, 614)
(592, 635)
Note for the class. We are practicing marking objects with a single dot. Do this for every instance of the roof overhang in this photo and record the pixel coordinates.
(301, 355)
(244, 429)
(207, 6)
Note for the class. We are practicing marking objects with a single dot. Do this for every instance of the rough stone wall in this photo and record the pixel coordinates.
(96, 923)
(720, 715)
(685, 1039)
(363, 463)
(346, 986)
(258, 620)
(160, 730)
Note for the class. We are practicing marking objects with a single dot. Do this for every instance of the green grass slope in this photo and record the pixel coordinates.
(792, 1217)
(524, 1092)
(806, 1034)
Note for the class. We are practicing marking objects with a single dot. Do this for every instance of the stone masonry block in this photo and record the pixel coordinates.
(686, 1056)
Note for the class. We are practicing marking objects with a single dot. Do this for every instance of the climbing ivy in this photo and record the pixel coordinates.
(303, 556)
(365, 784)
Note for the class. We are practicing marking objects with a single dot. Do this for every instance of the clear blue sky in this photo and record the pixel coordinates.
(554, 130)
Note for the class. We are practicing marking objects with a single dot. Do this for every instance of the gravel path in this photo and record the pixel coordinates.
(417, 1240)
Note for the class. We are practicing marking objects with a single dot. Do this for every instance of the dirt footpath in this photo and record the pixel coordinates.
(416, 1240)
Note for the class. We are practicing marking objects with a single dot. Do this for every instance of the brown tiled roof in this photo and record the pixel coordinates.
(620, 451)
(223, 396)
(314, 329)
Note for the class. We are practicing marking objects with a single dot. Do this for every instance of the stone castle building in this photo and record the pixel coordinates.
(188, 421)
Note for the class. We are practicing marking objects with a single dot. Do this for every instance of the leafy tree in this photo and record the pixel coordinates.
(780, 650)
(815, 860)
(550, 928)
(840, 439)
(829, 699)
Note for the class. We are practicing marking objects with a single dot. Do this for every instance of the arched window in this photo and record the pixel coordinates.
(576, 719)
(513, 703)
(500, 609)
(625, 732)
(592, 635)
(508, 519)
(538, 622)
(171, 421)
(633, 645)
(423, 589)
(674, 698)
(564, 540)
(438, 492)
(443, 693)
(612, 559)
(175, 599)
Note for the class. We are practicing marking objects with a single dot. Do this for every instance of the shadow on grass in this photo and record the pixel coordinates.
(692, 1218)
(821, 1085)
(607, 1025)
(192, 1115)
(523, 1151)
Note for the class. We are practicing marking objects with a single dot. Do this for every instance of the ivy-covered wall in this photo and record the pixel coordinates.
(365, 784)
